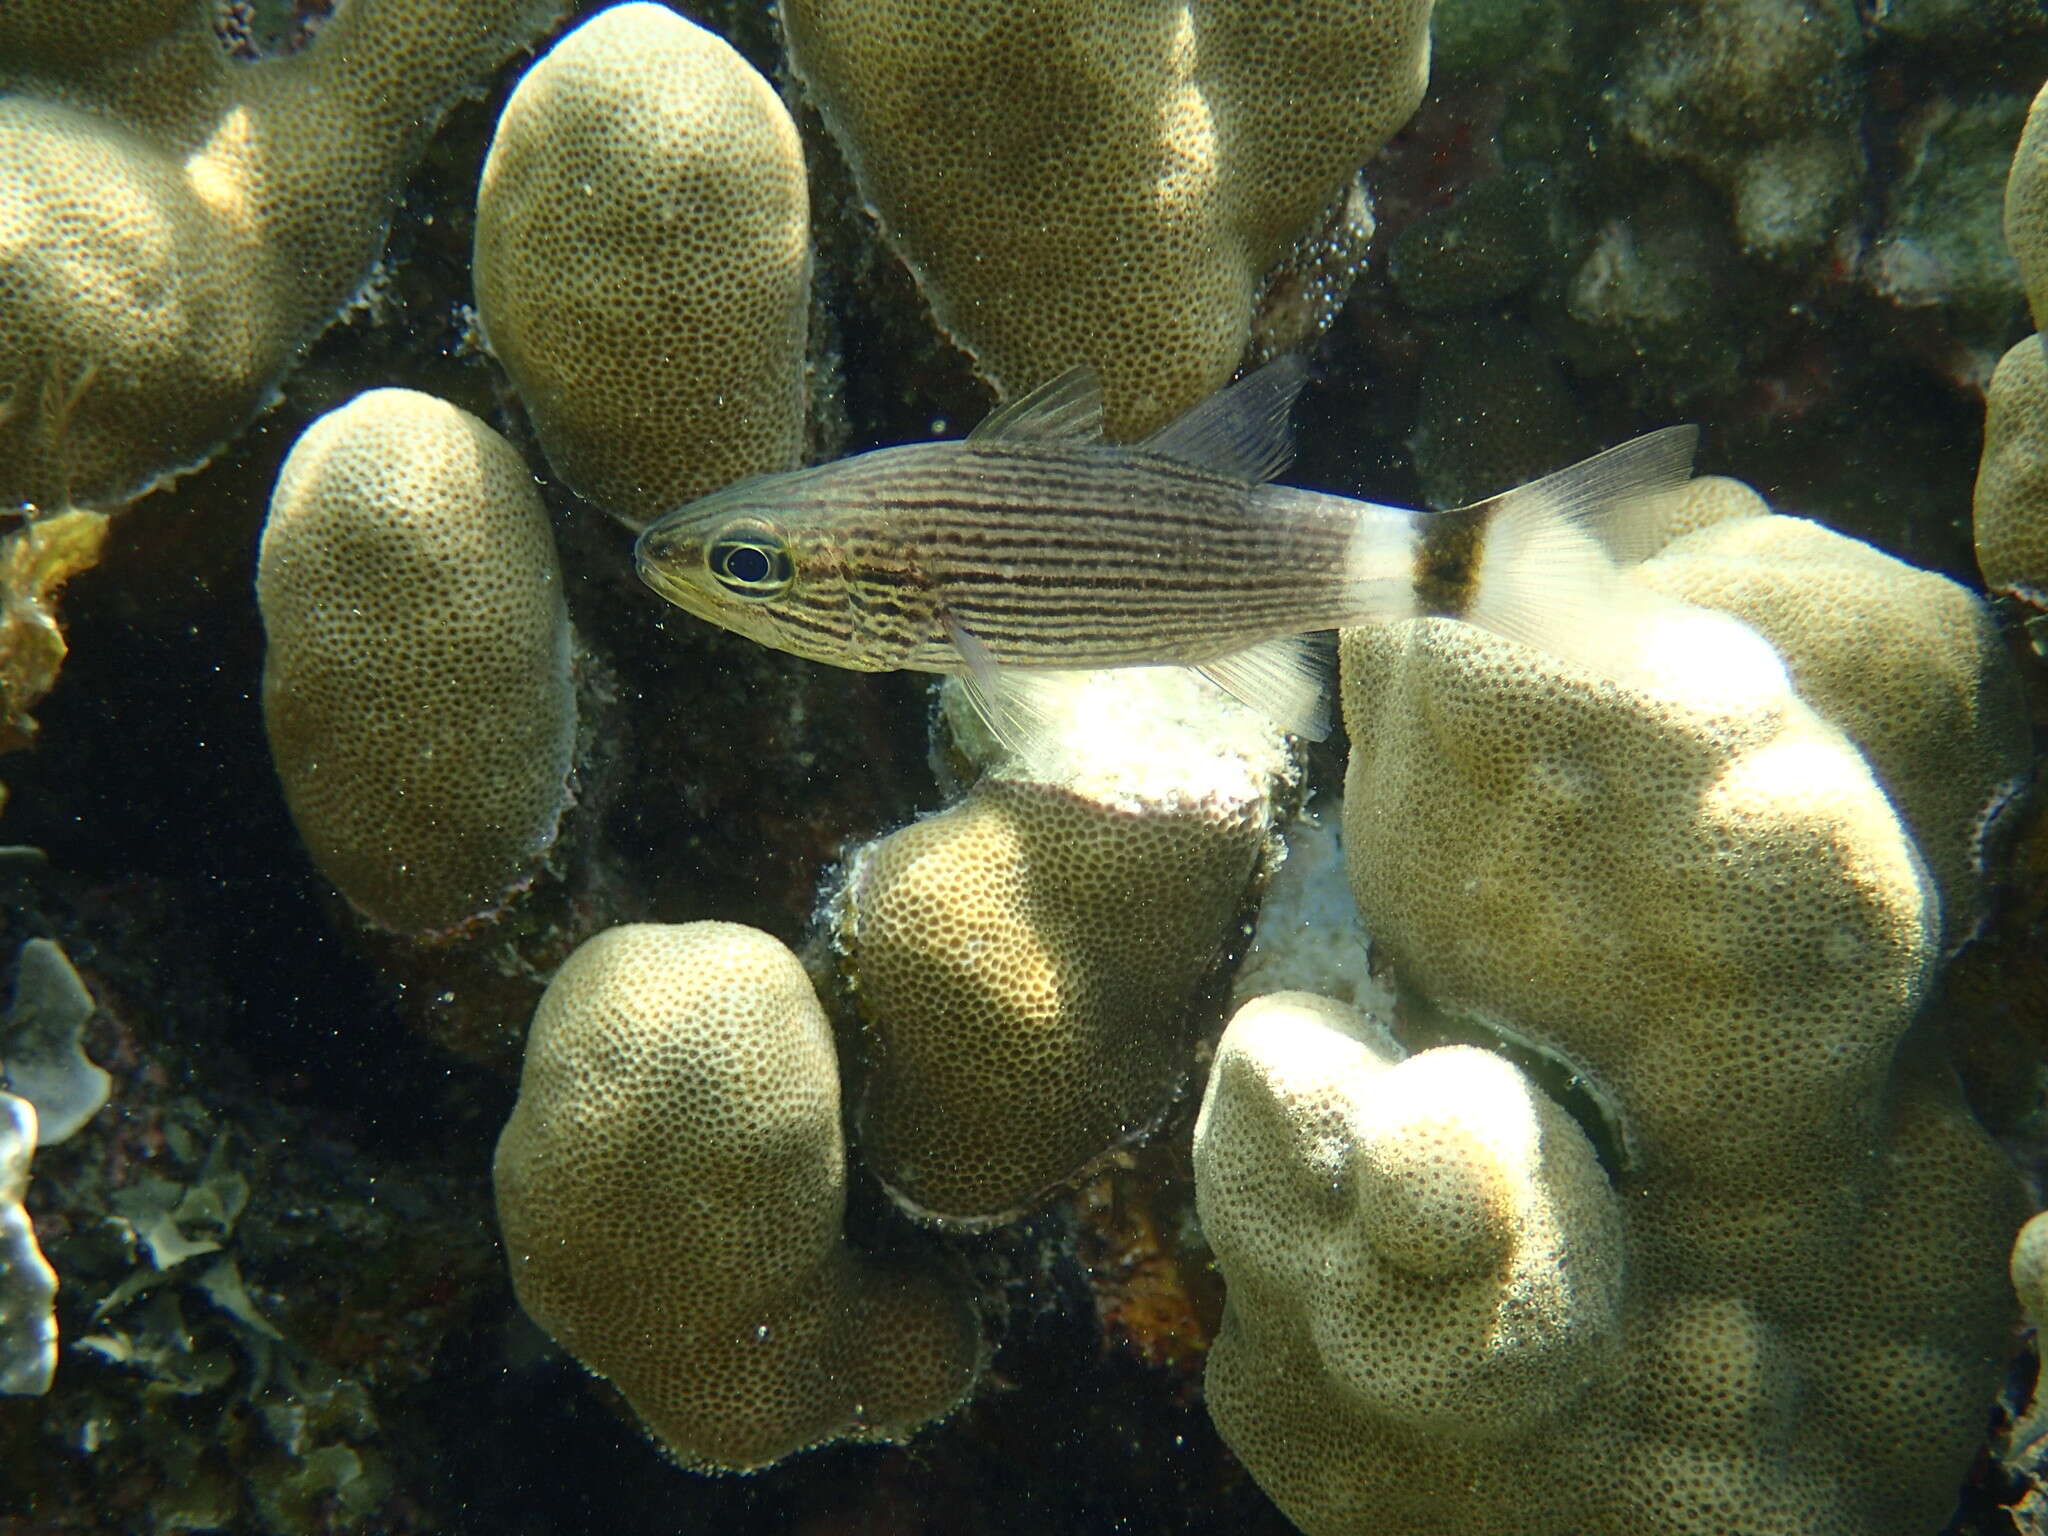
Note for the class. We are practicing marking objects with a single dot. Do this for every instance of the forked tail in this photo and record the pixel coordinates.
(1540, 564)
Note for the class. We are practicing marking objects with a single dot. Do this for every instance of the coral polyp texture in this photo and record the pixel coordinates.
(2009, 511)
(175, 225)
(1895, 657)
(417, 681)
(1693, 899)
(643, 262)
(1027, 960)
(1111, 184)
(671, 1187)
(1415, 1246)
(2026, 208)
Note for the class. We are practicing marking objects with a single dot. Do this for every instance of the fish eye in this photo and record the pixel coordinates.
(751, 560)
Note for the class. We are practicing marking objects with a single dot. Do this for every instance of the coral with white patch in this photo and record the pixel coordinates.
(1697, 897)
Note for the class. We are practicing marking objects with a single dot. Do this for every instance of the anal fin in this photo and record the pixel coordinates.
(1286, 680)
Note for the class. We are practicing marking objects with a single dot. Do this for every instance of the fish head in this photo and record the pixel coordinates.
(744, 560)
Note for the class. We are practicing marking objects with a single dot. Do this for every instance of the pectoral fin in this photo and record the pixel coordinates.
(1013, 702)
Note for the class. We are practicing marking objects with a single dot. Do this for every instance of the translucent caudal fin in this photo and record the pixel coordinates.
(1549, 554)
(1623, 498)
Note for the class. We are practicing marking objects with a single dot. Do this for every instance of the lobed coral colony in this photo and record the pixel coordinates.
(667, 360)
(417, 686)
(1645, 1175)
(2012, 486)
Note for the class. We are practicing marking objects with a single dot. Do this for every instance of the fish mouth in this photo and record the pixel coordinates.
(659, 554)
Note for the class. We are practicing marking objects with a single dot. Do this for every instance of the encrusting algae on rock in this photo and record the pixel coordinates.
(35, 562)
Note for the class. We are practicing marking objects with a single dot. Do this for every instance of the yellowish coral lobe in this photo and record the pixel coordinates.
(34, 565)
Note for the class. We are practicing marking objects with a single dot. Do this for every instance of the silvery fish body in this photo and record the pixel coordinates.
(1033, 544)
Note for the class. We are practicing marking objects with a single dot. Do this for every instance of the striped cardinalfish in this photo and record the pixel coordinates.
(1033, 546)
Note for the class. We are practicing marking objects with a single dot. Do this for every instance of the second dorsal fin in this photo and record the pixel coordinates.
(1066, 409)
(1243, 432)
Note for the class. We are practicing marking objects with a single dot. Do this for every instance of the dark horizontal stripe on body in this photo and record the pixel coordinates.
(982, 529)
(943, 660)
(1112, 493)
(1200, 590)
(1049, 607)
(1191, 618)
(1192, 583)
(1083, 543)
(891, 578)
(1089, 505)
(978, 527)
(1080, 637)
(947, 463)
(1082, 630)
(792, 615)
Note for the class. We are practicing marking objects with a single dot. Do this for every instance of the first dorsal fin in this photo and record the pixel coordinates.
(1243, 432)
(1067, 409)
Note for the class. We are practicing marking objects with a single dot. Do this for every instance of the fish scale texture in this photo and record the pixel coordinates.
(416, 683)
(1107, 183)
(1026, 960)
(670, 1188)
(1697, 899)
(643, 262)
(175, 226)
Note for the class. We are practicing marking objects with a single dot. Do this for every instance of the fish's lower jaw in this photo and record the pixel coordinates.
(675, 593)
